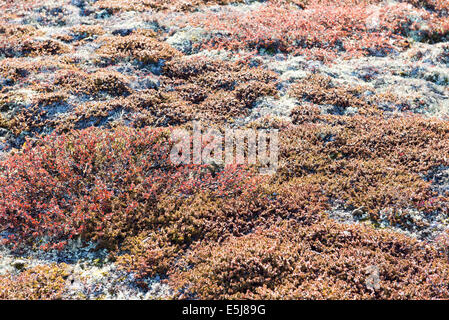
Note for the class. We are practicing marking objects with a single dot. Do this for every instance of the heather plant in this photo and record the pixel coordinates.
(368, 162)
(326, 260)
(80, 32)
(32, 47)
(15, 69)
(23, 71)
(189, 88)
(438, 5)
(100, 185)
(206, 220)
(143, 48)
(324, 31)
(46, 282)
(322, 94)
(320, 90)
(146, 107)
(42, 112)
(217, 90)
(113, 83)
(114, 6)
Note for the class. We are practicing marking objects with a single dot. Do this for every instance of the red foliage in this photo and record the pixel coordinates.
(99, 184)
(321, 30)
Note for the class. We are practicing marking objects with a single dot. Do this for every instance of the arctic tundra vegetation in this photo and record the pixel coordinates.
(118, 179)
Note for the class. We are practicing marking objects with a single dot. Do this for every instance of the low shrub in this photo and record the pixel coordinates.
(101, 185)
(324, 30)
(115, 6)
(369, 162)
(326, 260)
(142, 48)
(46, 282)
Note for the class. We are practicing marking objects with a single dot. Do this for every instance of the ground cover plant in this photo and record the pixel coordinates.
(93, 207)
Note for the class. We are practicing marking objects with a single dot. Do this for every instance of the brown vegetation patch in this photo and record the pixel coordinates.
(322, 90)
(46, 282)
(145, 49)
(322, 261)
(368, 162)
(114, 6)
